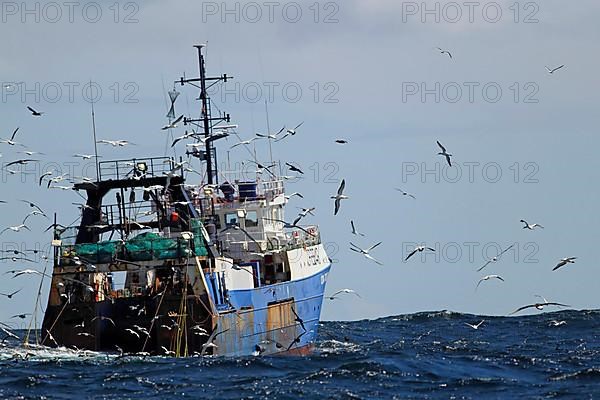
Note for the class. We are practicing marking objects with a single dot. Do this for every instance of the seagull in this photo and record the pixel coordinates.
(20, 162)
(270, 136)
(22, 316)
(339, 196)
(33, 214)
(294, 169)
(142, 330)
(296, 340)
(530, 226)
(35, 113)
(10, 295)
(85, 334)
(86, 156)
(564, 261)
(262, 167)
(287, 197)
(30, 153)
(173, 124)
(210, 341)
(101, 318)
(475, 326)
(418, 249)
(114, 143)
(487, 278)
(32, 205)
(444, 153)
(291, 132)
(335, 295)
(354, 231)
(405, 193)
(49, 173)
(167, 351)
(539, 306)
(304, 214)
(298, 319)
(551, 71)
(17, 273)
(16, 228)
(494, 259)
(132, 332)
(442, 51)
(186, 135)
(365, 252)
(244, 142)
(341, 141)
(557, 323)
(11, 141)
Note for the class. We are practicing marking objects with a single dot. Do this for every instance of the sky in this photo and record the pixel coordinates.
(523, 141)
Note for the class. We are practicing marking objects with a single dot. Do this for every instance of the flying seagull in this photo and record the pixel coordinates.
(10, 295)
(114, 143)
(494, 259)
(49, 173)
(487, 278)
(245, 142)
(186, 135)
(564, 261)
(11, 141)
(294, 169)
(298, 319)
(20, 162)
(354, 231)
(304, 214)
(210, 341)
(336, 294)
(341, 141)
(339, 196)
(35, 113)
(444, 153)
(290, 132)
(270, 136)
(405, 193)
(557, 323)
(530, 226)
(553, 70)
(475, 326)
(173, 124)
(32, 205)
(296, 341)
(442, 51)
(16, 228)
(418, 249)
(539, 306)
(86, 156)
(365, 252)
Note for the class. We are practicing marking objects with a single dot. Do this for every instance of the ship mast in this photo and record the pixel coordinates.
(206, 121)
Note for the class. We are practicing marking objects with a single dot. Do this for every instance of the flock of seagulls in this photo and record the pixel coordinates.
(281, 135)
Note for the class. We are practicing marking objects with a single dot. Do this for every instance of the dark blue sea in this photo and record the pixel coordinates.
(421, 356)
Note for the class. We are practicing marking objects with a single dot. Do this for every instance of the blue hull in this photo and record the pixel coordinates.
(263, 321)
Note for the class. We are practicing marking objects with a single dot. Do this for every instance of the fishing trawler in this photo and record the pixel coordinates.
(174, 268)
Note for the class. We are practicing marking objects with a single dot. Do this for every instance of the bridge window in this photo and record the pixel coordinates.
(251, 219)
(231, 219)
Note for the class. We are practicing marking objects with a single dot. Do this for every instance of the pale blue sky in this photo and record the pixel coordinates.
(366, 61)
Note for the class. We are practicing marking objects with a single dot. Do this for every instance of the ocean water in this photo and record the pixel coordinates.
(420, 356)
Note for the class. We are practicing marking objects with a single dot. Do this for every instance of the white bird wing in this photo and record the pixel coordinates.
(370, 257)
